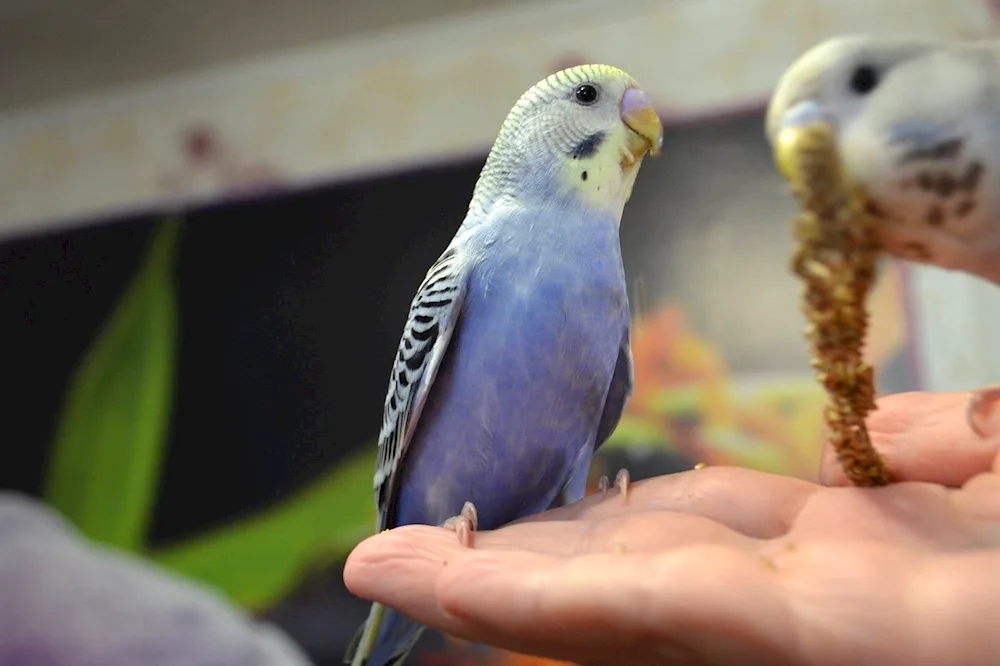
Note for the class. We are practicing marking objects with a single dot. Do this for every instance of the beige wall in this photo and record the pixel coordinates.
(430, 91)
(417, 93)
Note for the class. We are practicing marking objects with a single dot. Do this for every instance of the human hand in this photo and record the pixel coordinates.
(727, 566)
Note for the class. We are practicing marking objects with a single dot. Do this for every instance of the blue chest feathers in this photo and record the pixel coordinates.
(522, 388)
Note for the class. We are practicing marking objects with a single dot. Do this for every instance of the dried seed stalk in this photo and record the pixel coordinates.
(836, 259)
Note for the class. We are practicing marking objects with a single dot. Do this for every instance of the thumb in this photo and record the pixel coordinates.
(922, 436)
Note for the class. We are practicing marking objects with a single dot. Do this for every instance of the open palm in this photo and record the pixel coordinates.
(730, 566)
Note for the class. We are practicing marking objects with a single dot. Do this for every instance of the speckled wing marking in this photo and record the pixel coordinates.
(434, 313)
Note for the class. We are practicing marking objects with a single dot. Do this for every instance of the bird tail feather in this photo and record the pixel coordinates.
(385, 639)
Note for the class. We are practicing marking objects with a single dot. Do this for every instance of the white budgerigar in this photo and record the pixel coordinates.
(918, 127)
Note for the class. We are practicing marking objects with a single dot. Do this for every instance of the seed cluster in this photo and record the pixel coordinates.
(836, 259)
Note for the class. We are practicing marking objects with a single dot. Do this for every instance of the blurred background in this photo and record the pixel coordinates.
(214, 213)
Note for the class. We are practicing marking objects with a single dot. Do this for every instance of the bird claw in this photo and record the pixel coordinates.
(622, 483)
(979, 408)
(465, 524)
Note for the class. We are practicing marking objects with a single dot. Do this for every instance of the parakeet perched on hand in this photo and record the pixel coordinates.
(918, 128)
(515, 364)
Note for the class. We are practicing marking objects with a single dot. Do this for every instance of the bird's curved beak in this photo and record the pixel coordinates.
(789, 130)
(640, 117)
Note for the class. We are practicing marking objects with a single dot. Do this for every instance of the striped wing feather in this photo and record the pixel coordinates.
(434, 313)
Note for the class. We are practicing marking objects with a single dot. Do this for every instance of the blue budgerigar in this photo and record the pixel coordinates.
(515, 364)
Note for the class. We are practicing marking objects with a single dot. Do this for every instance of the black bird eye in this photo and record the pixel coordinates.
(863, 80)
(585, 94)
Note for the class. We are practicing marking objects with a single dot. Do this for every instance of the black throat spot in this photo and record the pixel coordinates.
(588, 146)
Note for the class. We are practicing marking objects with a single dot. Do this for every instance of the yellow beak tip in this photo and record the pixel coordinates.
(646, 123)
(786, 151)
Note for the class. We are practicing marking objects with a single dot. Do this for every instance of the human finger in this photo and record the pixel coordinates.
(756, 504)
(922, 436)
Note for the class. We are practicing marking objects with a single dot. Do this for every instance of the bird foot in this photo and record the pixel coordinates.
(979, 408)
(464, 524)
(622, 483)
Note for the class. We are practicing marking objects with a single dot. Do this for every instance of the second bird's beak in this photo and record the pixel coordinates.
(790, 129)
(640, 117)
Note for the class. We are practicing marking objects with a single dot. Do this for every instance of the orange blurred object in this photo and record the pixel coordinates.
(667, 356)
(514, 659)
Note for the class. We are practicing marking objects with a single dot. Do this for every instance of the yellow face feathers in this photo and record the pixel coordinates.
(599, 87)
(608, 125)
(583, 130)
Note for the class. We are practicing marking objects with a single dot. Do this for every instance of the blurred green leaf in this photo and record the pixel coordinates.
(103, 470)
(258, 560)
(634, 430)
(678, 401)
(746, 450)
